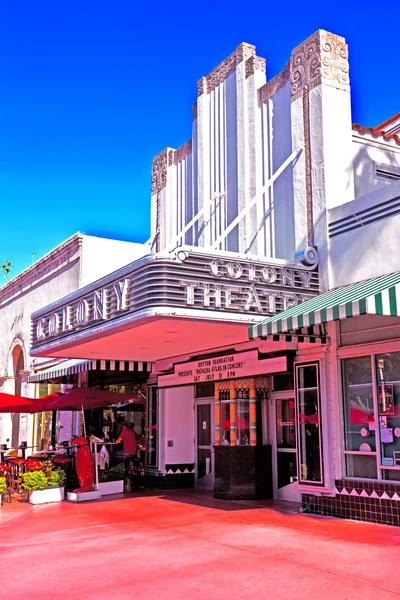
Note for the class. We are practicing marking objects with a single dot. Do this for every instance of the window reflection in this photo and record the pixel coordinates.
(285, 424)
(359, 419)
(152, 427)
(308, 420)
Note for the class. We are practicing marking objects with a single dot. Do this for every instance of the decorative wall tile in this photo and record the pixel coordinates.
(373, 501)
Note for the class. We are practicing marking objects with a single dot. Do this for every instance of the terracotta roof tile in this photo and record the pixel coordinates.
(379, 131)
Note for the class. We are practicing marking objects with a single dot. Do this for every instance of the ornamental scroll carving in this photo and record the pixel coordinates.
(159, 172)
(321, 58)
(242, 53)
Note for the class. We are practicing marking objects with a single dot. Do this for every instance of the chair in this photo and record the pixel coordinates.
(64, 462)
(18, 467)
(33, 465)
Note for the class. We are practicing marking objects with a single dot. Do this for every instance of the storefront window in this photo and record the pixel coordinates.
(43, 421)
(204, 390)
(283, 382)
(372, 416)
(225, 423)
(361, 465)
(359, 420)
(152, 426)
(308, 424)
(243, 422)
(388, 383)
(285, 424)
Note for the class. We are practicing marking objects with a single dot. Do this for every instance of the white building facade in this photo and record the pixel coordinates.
(76, 262)
(257, 214)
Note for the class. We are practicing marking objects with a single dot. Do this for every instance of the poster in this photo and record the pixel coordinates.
(385, 399)
(387, 435)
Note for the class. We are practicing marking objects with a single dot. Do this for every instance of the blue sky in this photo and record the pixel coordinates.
(91, 90)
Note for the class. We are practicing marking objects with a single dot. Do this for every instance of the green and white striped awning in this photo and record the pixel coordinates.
(379, 296)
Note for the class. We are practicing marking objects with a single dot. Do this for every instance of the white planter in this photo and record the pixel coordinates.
(55, 494)
(1, 498)
(111, 487)
(83, 496)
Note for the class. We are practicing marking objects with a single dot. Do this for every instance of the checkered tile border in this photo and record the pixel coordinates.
(371, 501)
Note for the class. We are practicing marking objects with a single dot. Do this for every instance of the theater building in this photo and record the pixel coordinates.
(246, 222)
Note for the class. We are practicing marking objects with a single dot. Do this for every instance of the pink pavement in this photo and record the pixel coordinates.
(178, 545)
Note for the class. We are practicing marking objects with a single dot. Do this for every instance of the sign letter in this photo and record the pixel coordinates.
(305, 277)
(214, 268)
(82, 312)
(234, 270)
(121, 292)
(190, 287)
(100, 304)
(289, 300)
(66, 324)
(230, 296)
(287, 277)
(252, 300)
(268, 274)
(212, 293)
(40, 334)
(53, 323)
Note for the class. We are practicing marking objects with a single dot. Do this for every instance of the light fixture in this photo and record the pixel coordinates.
(181, 255)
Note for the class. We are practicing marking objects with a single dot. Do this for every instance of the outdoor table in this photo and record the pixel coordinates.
(68, 449)
(47, 452)
(24, 449)
(3, 452)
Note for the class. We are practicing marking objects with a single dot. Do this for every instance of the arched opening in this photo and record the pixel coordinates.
(18, 366)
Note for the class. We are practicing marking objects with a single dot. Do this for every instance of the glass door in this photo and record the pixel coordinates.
(204, 445)
(284, 447)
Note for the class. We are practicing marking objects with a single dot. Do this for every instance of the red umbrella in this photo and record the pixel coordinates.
(85, 398)
(41, 404)
(9, 403)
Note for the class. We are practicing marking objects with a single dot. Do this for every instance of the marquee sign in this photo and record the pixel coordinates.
(220, 368)
(188, 279)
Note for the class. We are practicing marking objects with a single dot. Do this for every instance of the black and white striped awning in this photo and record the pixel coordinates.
(69, 367)
(315, 334)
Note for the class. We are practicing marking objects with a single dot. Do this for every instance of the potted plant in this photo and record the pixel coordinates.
(3, 487)
(111, 481)
(44, 487)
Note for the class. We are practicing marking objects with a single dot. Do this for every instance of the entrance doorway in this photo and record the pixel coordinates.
(18, 366)
(204, 428)
(283, 436)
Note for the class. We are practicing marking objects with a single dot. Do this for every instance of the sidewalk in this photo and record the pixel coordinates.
(182, 545)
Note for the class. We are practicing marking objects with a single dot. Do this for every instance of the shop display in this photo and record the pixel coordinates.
(365, 447)
(387, 435)
(385, 398)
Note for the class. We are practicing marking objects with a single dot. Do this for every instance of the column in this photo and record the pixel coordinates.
(252, 411)
(232, 413)
(217, 416)
(322, 129)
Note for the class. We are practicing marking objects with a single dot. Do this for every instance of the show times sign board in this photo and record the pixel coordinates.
(220, 368)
